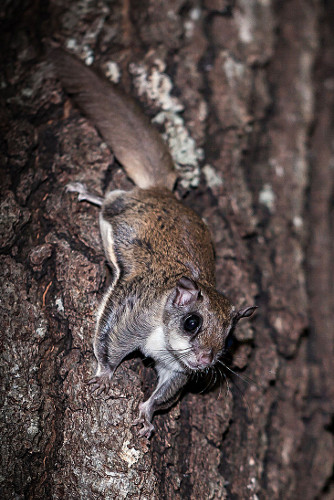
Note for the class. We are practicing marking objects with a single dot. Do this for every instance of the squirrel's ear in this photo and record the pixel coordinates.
(245, 313)
(186, 292)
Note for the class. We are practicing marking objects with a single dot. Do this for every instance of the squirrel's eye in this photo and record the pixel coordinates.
(192, 323)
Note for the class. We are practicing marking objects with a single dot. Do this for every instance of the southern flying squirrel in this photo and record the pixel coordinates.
(162, 300)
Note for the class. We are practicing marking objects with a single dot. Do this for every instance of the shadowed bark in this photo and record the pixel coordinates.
(243, 92)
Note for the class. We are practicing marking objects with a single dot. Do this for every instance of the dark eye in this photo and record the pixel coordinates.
(192, 323)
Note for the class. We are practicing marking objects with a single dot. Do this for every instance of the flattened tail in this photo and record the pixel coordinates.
(133, 139)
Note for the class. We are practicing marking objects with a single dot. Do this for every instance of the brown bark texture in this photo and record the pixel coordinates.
(243, 92)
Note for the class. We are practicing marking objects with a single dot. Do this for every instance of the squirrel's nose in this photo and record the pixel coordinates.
(205, 357)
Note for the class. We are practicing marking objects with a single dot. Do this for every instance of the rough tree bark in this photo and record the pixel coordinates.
(244, 92)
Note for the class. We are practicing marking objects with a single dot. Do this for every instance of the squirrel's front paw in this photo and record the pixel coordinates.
(148, 427)
(100, 384)
(76, 187)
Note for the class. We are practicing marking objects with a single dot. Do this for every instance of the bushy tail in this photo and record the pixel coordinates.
(135, 142)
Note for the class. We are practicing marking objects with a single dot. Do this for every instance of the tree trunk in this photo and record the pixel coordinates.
(243, 91)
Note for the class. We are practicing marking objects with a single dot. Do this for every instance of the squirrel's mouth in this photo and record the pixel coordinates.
(196, 365)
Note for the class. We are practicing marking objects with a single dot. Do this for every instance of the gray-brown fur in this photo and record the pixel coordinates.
(157, 234)
(162, 299)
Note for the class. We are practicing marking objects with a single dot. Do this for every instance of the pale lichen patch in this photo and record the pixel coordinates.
(195, 13)
(85, 52)
(267, 196)
(27, 92)
(190, 23)
(33, 428)
(182, 147)
(41, 327)
(212, 178)
(129, 455)
(71, 44)
(234, 70)
(112, 71)
(87, 55)
(59, 305)
(244, 20)
(189, 27)
(297, 222)
(157, 86)
(278, 168)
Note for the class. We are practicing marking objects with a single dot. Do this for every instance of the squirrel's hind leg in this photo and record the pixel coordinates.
(83, 194)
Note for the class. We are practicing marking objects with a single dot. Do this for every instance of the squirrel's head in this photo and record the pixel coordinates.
(197, 320)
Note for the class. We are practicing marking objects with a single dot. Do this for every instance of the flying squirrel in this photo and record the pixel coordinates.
(162, 299)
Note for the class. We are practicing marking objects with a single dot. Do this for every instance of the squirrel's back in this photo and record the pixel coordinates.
(157, 234)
